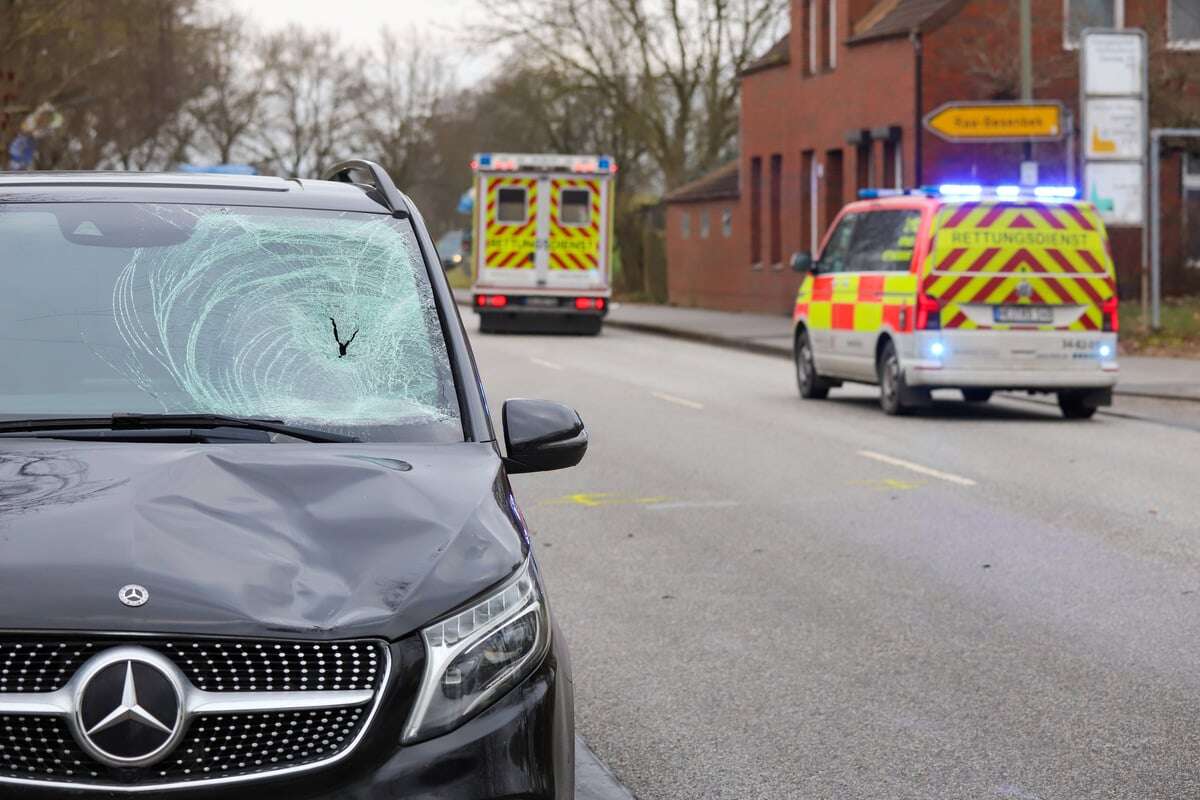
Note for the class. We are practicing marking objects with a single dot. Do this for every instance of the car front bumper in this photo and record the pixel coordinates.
(520, 748)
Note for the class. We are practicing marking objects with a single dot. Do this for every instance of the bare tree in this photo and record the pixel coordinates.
(226, 113)
(311, 104)
(664, 69)
(119, 71)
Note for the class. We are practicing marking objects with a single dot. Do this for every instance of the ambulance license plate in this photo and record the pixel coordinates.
(542, 302)
(1037, 315)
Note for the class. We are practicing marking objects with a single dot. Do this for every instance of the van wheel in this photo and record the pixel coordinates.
(977, 395)
(812, 385)
(1074, 406)
(895, 397)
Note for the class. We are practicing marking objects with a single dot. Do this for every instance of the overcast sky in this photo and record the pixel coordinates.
(436, 21)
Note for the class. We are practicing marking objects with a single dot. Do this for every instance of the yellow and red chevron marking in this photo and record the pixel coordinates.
(1002, 253)
(574, 247)
(510, 246)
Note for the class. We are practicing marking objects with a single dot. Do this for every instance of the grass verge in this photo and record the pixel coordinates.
(1179, 334)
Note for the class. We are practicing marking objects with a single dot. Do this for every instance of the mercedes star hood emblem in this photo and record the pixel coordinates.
(133, 595)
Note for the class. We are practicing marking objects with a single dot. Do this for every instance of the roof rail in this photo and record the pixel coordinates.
(380, 187)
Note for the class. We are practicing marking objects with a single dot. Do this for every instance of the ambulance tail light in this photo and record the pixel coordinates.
(589, 303)
(1111, 309)
(491, 300)
(929, 316)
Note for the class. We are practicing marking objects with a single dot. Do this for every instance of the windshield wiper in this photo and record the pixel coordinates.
(121, 421)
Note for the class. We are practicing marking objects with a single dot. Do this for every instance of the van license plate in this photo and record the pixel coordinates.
(1038, 315)
(542, 302)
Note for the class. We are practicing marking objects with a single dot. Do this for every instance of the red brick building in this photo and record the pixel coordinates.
(836, 105)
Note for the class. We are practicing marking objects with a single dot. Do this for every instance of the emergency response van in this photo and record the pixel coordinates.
(961, 287)
(543, 241)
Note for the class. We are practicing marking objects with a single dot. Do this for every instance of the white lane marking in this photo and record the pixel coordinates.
(679, 401)
(933, 473)
(693, 504)
(541, 362)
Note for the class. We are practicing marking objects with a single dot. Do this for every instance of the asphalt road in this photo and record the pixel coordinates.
(774, 598)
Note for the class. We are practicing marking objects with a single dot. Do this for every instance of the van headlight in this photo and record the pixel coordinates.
(474, 656)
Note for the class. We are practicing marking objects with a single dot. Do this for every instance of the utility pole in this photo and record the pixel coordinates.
(1026, 70)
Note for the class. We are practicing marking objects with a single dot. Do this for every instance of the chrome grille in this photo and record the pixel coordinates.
(215, 665)
(244, 744)
(37, 748)
(42, 747)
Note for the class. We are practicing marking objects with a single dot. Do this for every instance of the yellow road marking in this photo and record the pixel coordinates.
(595, 499)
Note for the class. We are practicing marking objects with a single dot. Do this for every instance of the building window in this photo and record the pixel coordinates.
(1079, 15)
(834, 177)
(685, 225)
(1191, 209)
(776, 209)
(704, 224)
(832, 23)
(727, 223)
(756, 211)
(1183, 24)
(813, 32)
(863, 176)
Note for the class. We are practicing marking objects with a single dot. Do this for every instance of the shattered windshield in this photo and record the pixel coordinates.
(319, 318)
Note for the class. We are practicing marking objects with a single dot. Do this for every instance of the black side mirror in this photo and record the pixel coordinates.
(803, 262)
(540, 435)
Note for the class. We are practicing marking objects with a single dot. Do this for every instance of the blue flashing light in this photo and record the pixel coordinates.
(1008, 191)
(1055, 192)
(961, 189)
(603, 163)
(937, 349)
(485, 160)
(868, 194)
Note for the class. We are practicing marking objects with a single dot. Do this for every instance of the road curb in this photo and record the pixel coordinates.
(747, 345)
(593, 779)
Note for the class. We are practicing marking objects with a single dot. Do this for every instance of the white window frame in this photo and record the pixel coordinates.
(685, 225)
(813, 37)
(833, 33)
(1172, 42)
(1118, 22)
(1190, 183)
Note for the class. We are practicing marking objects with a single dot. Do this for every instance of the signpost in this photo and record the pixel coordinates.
(1114, 96)
(997, 122)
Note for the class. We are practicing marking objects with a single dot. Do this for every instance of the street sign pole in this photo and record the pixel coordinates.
(1027, 77)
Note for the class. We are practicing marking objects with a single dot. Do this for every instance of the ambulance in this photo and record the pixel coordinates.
(542, 250)
(961, 287)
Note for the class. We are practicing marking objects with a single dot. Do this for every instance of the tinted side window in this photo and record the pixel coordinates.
(835, 257)
(884, 241)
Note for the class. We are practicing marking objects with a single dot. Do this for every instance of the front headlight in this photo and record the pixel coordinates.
(474, 656)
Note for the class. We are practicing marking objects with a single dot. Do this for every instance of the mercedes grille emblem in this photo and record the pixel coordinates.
(129, 707)
(1025, 289)
(133, 595)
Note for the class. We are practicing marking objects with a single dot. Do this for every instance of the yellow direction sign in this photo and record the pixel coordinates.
(997, 122)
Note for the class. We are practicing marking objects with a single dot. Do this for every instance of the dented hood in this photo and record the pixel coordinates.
(305, 540)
